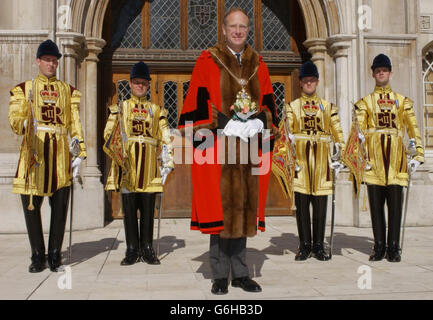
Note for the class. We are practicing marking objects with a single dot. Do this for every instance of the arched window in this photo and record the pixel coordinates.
(192, 25)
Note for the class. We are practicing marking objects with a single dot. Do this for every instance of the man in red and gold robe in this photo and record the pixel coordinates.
(229, 198)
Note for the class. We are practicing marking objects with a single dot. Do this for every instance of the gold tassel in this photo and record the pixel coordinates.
(31, 207)
(364, 200)
(293, 201)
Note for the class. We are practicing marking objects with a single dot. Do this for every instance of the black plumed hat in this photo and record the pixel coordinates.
(140, 70)
(381, 60)
(48, 48)
(308, 69)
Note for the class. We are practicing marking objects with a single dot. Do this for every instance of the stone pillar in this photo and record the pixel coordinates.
(71, 46)
(317, 48)
(94, 47)
(338, 46)
(339, 50)
(89, 209)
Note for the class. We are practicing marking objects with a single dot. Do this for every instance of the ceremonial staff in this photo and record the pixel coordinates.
(161, 194)
(74, 150)
(335, 157)
(410, 153)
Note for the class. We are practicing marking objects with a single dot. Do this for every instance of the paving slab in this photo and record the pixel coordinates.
(95, 273)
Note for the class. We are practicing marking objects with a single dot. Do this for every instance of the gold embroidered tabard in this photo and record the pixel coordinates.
(146, 129)
(56, 113)
(315, 123)
(383, 118)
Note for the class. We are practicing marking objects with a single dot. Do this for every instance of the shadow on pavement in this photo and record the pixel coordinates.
(290, 241)
(167, 245)
(86, 250)
(345, 241)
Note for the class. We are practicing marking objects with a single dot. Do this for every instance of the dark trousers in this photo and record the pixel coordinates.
(138, 238)
(393, 196)
(59, 210)
(302, 202)
(226, 255)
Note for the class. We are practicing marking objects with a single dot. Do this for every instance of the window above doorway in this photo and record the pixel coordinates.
(192, 25)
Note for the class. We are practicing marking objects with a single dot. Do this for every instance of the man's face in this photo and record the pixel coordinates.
(236, 30)
(139, 87)
(309, 85)
(382, 76)
(47, 65)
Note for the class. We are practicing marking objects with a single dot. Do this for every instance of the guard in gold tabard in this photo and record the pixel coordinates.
(46, 110)
(133, 132)
(313, 124)
(383, 117)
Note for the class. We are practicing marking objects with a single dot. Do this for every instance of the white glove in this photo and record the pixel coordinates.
(292, 138)
(235, 129)
(361, 137)
(165, 155)
(164, 173)
(75, 166)
(337, 166)
(25, 123)
(413, 165)
(252, 127)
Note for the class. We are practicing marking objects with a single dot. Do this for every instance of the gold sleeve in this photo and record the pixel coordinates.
(412, 128)
(76, 130)
(164, 136)
(18, 107)
(336, 130)
(290, 117)
(111, 121)
(361, 115)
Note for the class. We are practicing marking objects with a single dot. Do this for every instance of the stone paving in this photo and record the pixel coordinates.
(184, 272)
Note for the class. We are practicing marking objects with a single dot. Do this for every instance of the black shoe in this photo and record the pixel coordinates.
(247, 284)
(149, 256)
(379, 251)
(131, 257)
(304, 252)
(38, 263)
(319, 252)
(393, 254)
(54, 260)
(220, 286)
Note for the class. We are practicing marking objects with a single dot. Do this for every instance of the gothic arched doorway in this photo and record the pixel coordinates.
(169, 35)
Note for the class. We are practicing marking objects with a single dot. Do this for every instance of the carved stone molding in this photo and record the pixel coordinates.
(338, 45)
(317, 48)
(94, 48)
(72, 44)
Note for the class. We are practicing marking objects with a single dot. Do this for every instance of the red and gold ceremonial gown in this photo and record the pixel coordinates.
(225, 201)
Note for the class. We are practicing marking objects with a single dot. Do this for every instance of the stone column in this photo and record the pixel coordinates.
(338, 46)
(317, 48)
(94, 47)
(71, 46)
(89, 204)
(339, 50)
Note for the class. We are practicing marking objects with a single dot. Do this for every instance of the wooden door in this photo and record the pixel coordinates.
(169, 90)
